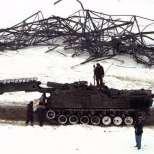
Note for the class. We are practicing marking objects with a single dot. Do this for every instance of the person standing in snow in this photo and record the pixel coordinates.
(138, 133)
(99, 74)
(30, 117)
(41, 112)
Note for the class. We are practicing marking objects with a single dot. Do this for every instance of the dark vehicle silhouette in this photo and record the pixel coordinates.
(78, 102)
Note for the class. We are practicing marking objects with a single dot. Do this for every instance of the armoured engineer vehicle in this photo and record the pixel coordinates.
(78, 102)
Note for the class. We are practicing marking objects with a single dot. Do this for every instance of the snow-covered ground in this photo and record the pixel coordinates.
(55, 67)
(79, 139)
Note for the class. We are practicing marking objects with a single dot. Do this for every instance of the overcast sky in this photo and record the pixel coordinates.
(67, 7)
(13, 12)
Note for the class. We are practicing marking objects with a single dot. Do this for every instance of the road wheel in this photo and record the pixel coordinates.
(50, 114)
(62, 119)
(117, 120)
(84, 120)
(106, 120)
(128, 120)
(95, 120)
(73, 119)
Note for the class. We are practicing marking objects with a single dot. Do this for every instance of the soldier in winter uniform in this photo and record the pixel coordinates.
(30, 117)
(99, 74)
(41, 112)
(138, 133)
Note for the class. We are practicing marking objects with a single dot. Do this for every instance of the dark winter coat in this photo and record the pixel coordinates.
(99, 72)
(41, 112)
(138, 128)
(29, 110)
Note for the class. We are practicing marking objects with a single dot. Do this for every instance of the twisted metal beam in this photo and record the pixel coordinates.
(101, 35)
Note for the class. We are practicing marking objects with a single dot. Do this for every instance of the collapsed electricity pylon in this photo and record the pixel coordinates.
(101, 35)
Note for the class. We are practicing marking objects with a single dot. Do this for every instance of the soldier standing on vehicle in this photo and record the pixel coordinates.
(99, 74)
(30, 117)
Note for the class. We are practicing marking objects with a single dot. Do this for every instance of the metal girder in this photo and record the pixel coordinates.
(102, 35)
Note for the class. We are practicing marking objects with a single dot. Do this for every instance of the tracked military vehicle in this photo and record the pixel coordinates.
(78, 102)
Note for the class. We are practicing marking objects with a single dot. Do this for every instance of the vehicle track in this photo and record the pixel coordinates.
(17, 115)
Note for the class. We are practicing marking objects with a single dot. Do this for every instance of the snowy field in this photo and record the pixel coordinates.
(122, 72)
(79, 139)
(55, 67)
